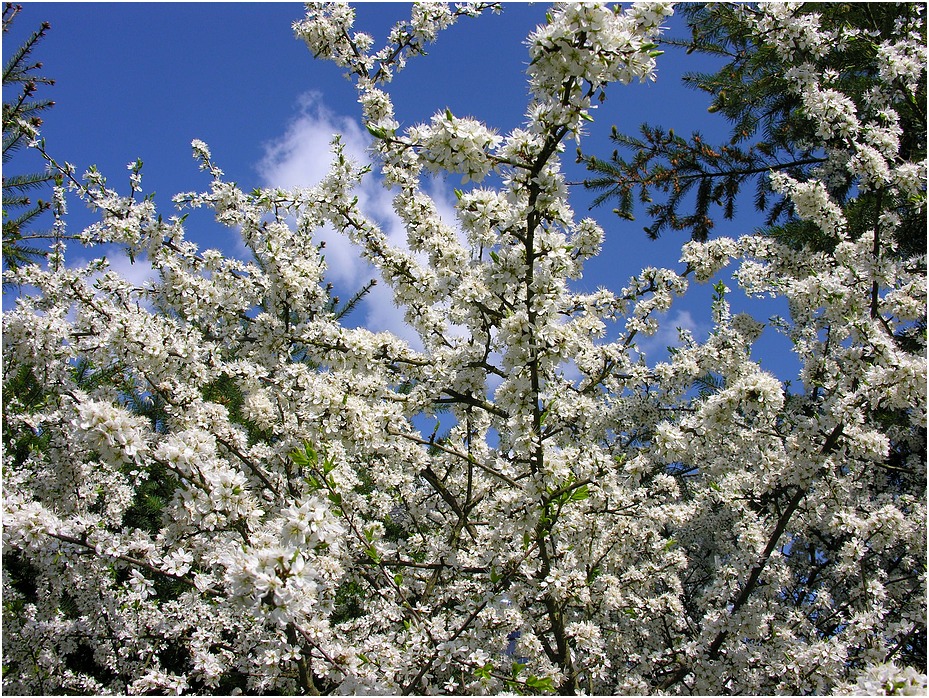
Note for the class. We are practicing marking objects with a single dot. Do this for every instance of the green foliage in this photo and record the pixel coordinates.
(341, 310)
(226, 392)
(679, 168)
(317, 471)
(349, 602)
(90, 377)
(151, 496)
(394, 531)
(23, 393)
(20, 574)
(530, 685)
(709, 384)
(21, 116)
(768, 132)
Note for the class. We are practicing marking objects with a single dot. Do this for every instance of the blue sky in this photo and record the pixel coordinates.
(141, 80)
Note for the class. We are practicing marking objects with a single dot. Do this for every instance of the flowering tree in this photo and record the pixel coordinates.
(212, 485)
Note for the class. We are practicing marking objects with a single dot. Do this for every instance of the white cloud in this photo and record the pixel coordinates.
(301, 158)
(137, 273)
(655, 347)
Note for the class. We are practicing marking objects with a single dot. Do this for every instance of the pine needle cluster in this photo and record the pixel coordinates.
(21, 119)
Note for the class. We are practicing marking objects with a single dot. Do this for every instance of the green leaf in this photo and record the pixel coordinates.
(539, 683)
(580, 494)
(305, 458)
(379, 133)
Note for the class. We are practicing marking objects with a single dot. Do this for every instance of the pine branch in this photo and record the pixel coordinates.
(23, 220)
(25, 182)
(15, 70)
(768, 130)
(23, 109)
(343, 310)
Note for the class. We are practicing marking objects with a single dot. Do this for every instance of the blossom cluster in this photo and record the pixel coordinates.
(457, 145)
(585, 47)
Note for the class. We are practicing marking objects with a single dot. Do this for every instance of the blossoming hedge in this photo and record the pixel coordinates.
(212, 484)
